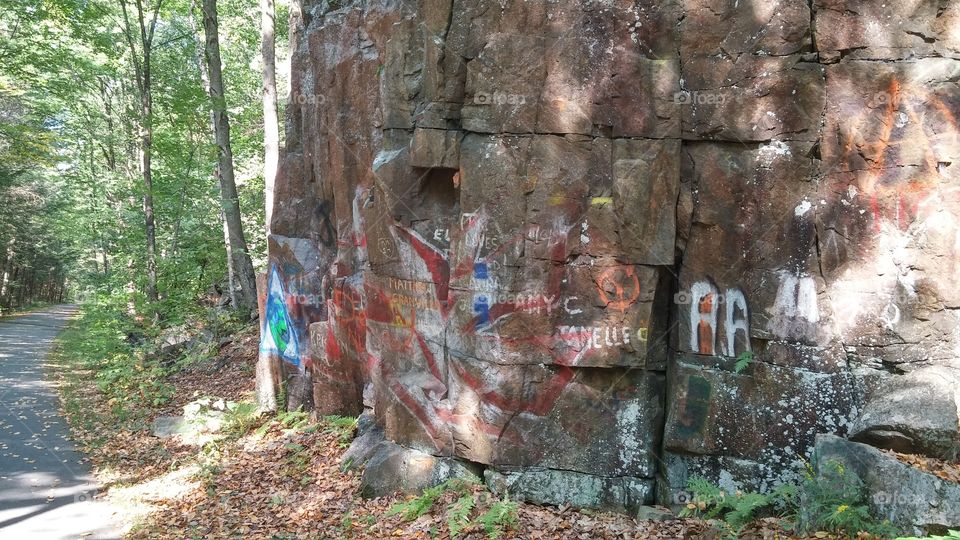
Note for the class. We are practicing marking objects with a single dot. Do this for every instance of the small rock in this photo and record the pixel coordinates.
(168, 426)
(654, 513)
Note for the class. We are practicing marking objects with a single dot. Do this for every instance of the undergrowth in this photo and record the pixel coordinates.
(832, 500)
(98, 342)
(499, 515)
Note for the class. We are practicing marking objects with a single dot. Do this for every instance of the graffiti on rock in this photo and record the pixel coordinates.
(915, 121)
(279, 333)
(795, 312)
(705, 303)
(619, 287)
(694, 406)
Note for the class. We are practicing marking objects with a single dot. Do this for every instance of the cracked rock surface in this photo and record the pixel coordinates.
(540, 234)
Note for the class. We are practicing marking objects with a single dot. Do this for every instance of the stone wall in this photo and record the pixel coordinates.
(542, 232)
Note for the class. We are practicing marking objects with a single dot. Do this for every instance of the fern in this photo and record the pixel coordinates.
(240, 419)
(702, 489)
(743, 361)
(290, 421)
(341, 426)
(411, 509)
(415, 507)
(745, 507)
(733, 510)
(501, 514)
(458, 514)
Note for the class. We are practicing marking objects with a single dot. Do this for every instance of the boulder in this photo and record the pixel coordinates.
(745, 430)
(915, 413)
(543, 233)
(911, 499)
(364, 445)
(558, 487)
(392, 468)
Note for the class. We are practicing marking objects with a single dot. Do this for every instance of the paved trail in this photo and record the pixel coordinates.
(45, 489)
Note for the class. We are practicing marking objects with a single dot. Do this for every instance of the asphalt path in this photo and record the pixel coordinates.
(46, 489)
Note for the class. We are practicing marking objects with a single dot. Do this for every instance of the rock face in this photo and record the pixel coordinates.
(542, 233)
(911, 499)
(918, 413)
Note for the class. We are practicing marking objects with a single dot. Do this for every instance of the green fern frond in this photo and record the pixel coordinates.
(458, 514)
(743, 361)
(501, 514)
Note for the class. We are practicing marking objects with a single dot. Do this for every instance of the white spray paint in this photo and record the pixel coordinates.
(734, 300)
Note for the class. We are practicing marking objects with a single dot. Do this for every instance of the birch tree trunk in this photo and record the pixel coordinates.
(271, 125)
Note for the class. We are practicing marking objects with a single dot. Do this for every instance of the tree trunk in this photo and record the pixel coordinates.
(7, 268)
(231, 274)
(228, 187)
(271, 125)
(146, 164)
(141, 64)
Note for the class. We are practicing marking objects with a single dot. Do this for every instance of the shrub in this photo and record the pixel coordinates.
(240, 418)
(836, 501)
(832, 501)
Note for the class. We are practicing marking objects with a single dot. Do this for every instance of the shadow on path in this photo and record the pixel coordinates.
(46, 490)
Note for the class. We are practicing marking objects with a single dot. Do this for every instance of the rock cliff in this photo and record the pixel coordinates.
(603, 245)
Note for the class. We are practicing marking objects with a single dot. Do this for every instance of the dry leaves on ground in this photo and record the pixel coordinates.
(946, 470)
(278, 483)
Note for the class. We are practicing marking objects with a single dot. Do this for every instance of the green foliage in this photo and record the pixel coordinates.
(97, 341)
(297, 463)
(341, 426)
(458, 514)
(743, 361)
(833, 501)
(417, 506)
(290, 422)
(240, 418)
(501, 515)
(346, 522)
(836, 501)
(211, 456)
(70, 192)
(735, 510)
